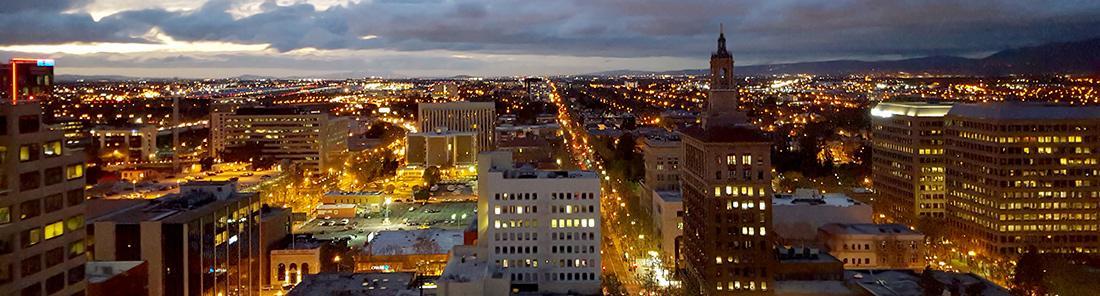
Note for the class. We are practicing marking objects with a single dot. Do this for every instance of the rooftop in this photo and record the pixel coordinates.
(912, 109)
(1025, 111)
(465, 266)
(670, 195)
(276, 111)
(868, 229)
(414, 242)
(347, 283)
(101, 271)
(804, 254)
(531, 173)
(726, 134)
(172, 208)
(812, 288)
(907, 283)
(800, 198)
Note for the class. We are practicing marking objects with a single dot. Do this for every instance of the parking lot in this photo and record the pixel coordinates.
(401, 216)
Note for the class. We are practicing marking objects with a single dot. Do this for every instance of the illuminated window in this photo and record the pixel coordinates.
(74, 223)
(74, 171)
(54, 229)
(746, 159)
(51, 149)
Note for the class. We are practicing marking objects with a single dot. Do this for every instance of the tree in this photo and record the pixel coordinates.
(1029, 274)
(422, 195)
(929, 283)
(432, 176)
(612, 286)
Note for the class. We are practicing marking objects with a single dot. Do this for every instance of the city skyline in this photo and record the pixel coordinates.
(961, 173)
(220, 38)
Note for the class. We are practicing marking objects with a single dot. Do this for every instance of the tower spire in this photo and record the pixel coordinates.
(721, 52)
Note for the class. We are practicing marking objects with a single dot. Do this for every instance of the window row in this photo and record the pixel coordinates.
(36, 207)
(34, 180)
(570, 223)
(570, 209)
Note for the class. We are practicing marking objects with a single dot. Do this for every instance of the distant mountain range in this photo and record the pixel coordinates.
(1078, 57)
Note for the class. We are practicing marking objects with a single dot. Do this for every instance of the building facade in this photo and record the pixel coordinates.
(41, 207)
(662, 166)
(874, 246)
(908, 160)
(476, 117)
(137, 143)
(796, 217)
(25, 80)
(314, 139)
(1023, 174)
(667, 214)
(541, 229)
(726, 182)
(195, 243)
(441, 148)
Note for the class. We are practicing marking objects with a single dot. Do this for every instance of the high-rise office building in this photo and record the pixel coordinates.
(478, 117)
(41, 206)
(206, 240)
(908, 162)
(26, 80)
(1020, 175)
(314, 139)
(726, 176)
(541, 229)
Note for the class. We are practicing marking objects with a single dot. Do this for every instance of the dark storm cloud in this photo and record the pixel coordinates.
(44, 21)
(761, 30)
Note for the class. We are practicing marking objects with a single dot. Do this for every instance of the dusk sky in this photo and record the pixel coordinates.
(403, 38)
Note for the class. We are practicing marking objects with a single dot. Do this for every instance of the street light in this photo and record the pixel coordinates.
(337, 261)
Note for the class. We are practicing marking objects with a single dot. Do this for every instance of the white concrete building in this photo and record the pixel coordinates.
(668, 221)
(875, 246)
(540, 228)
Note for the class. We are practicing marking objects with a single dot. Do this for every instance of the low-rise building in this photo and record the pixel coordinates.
(668, 222)
(470, 274)
(908, 283)
(874, 246)
(801, 263)
(366, 284)
(798, 216)
(421, 251)
(662, 153)
(117, 278)
(336, 211)
(290, 266)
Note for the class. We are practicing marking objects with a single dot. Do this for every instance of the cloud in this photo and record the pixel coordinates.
(758, 31)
